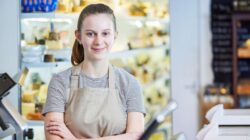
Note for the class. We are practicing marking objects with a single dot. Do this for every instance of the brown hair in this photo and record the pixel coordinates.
(78, 52)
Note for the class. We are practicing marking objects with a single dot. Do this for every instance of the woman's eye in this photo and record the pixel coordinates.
(89, 34)
(105, 33)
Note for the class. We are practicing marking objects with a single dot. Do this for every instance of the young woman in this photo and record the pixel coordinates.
(93, 99)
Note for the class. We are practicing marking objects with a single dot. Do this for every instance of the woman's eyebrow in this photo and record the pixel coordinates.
(107, 30)
(89, 30)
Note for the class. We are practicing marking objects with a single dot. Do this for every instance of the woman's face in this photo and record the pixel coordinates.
(97, 36)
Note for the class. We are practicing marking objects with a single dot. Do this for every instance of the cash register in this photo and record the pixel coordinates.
(226, 124)
(12, 125)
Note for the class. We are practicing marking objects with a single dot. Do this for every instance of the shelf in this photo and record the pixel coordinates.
(240, 53)
(45, 64)
(113, 55)
(241, 57)
(147, 19)
(50, 15)
(35, 122)
(133, 52)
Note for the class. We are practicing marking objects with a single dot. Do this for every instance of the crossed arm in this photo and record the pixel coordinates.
(55, 128)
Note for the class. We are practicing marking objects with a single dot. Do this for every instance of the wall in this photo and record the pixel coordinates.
(191, 61)
(206, 75)
(185, 65)
(9, 42)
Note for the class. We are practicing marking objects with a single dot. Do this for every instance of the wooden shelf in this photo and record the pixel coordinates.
(241, 57)
(236, 19)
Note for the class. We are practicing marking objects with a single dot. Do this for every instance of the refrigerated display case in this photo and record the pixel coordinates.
(142, 48)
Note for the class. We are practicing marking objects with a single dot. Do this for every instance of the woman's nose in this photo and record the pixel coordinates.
(98, 39)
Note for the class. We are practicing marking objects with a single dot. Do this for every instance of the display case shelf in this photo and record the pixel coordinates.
(114, 55)
(35, 122)
(147, 19)
(50, 15)
(53, 15)
(134, 52)
(44, 64)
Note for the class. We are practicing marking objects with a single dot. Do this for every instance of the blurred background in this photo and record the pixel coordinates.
(195, 52)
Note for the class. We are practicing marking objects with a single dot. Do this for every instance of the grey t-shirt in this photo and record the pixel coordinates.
(130, 91)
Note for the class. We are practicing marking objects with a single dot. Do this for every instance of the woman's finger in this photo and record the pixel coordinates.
(52, 124)
(58, 133)
(53, 128)
(58, 121)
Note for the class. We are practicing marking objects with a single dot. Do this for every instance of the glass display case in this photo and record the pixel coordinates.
(142, 48)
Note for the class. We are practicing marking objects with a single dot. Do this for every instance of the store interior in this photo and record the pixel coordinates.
(195, 53)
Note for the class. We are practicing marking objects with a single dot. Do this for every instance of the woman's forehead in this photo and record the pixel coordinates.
(98, 21)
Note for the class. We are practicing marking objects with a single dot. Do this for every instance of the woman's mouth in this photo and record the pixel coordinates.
(98, 50)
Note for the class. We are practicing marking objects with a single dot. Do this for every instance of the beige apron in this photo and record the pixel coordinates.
(94, 112)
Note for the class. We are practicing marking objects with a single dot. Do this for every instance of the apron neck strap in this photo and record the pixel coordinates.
(111, 77)
(75, 76)
(76, 70)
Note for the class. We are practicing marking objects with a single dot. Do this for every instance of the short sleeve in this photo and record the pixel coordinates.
(56, 98)
(135, 97)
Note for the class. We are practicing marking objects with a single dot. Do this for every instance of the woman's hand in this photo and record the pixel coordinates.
(57, 127)
(126, 136)
(135, 136)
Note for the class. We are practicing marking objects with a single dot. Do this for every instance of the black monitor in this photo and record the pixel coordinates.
(6, 83)
(158, 119)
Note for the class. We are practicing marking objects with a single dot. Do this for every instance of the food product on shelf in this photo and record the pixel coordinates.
(54, 44)
(49, 58)
(145, 8)
(32, 53)
(138, 9)
(29, 6)
(38, 5)
(78, 5)
(64, 6)
(243, 87)
(28, 96)
(33, 97)
(148, 36)
(244, 50)
(27, 108)
(48, 5)
(42, 95)
(34, 116)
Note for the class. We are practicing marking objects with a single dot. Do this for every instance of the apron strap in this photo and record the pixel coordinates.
(75, 77)
(111, 77)
(74, 81)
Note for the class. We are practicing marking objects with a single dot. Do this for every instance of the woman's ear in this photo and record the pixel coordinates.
(78, 36)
